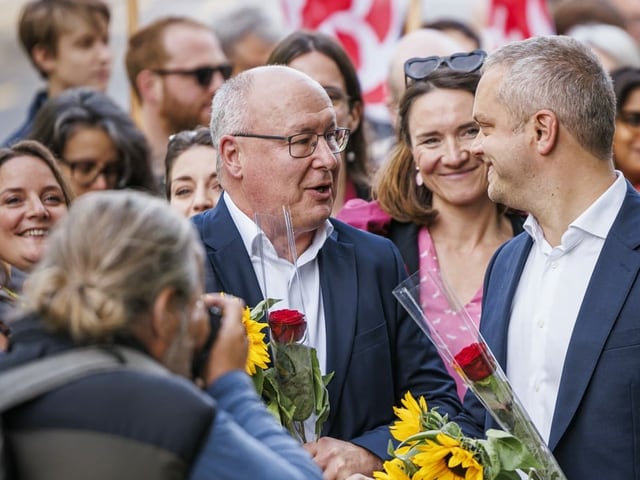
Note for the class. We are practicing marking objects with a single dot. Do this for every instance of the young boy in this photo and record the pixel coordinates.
(68, 43)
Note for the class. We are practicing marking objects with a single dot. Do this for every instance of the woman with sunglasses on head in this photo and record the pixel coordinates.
(33, 197)
(191, 182)
(323, 59)
(431, 197)
(626, 140)
(97, 145)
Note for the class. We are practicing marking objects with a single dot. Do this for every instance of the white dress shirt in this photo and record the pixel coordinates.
(547, 302)
(297, 290)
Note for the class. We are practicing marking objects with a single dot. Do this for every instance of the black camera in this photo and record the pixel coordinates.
(200, 357)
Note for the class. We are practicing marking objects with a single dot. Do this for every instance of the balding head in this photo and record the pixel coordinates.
(423, 42)
(260, 98)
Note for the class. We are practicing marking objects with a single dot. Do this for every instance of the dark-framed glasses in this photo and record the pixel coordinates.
(85, 172)
(417, 68)
(632, 119)
(302, 145)
(203, 75)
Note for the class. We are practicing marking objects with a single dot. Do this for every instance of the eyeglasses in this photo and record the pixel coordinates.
(416, 69)
(631, 119)
(86, 172)
(203, 75)
(302, 145)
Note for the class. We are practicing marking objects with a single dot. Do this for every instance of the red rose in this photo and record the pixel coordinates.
(474, 362)
(287, 325)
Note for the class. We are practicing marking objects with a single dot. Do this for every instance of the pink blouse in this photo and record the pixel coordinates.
(436, 307)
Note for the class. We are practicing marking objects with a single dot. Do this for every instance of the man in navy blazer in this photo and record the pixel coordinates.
(561, 306)
(277, 143)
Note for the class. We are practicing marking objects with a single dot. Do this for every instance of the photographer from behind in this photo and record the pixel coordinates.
(122, 279)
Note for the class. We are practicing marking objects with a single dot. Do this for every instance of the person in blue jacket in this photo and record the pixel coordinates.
(123, 273)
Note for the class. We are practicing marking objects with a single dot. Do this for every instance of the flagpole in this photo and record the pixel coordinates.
(414, 16)
(132, 25)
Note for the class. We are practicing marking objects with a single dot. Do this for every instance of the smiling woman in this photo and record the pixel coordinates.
(33, 197)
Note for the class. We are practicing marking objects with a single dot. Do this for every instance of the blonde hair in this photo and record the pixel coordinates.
(108, 260)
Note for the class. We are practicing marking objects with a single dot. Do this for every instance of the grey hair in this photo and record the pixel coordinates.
(229, 111)
(560, 74)
(108, 260)
(236, 23)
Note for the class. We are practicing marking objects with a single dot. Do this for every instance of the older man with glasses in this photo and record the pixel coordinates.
(278, 145)
(175, 65)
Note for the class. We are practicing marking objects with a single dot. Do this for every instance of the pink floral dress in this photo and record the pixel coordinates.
(436, 306)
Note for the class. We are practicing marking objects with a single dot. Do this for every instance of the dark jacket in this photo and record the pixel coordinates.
(23, 130)
(375, 349)
(119, 424)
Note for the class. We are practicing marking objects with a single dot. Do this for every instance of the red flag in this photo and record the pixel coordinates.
(516, 20)
(368, 31)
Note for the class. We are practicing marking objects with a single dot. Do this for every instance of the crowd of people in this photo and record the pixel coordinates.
(512, 174)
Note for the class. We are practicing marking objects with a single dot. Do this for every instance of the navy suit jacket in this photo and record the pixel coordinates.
(375, 349)
(595, 431)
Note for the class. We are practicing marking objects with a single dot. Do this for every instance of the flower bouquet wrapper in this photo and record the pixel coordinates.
(294, 387)
(472, 359)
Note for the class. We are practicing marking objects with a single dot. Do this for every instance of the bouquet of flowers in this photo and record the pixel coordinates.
(432, 447)
(293, 387)
(472, 359)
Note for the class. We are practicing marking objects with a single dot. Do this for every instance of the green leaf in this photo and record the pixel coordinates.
(258, 380)
(512, 453)
(261, 308)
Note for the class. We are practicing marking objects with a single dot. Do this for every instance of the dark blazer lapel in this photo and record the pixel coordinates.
(496, 308)
(613, 276)
(405, 237)
(339, 284)
(228, 256)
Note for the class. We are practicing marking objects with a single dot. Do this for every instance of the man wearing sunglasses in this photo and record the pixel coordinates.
(175, 65)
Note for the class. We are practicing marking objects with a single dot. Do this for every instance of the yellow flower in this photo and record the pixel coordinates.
(409, 418)
(393, 470)
(446, 459)
(258, 352)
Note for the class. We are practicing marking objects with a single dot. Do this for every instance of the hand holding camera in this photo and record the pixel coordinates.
(226, 346)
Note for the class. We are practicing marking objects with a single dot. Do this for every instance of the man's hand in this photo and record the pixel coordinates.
(338, 459)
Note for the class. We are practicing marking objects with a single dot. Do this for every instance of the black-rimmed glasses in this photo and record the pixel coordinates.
(86, 172)
(302, 145)
(416, 69)
(203, 75)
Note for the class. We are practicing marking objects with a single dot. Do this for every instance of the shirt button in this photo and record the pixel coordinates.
(554, 265)
(537, 387)
(540, 323)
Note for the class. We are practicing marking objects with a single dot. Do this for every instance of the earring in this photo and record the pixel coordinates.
(419, 180)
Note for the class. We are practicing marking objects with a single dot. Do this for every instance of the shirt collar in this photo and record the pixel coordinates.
(249, 233)
(596, 219)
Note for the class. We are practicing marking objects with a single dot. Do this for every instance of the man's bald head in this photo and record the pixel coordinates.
(423, 42)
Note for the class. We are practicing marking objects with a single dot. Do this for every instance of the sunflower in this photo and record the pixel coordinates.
(409, 418)
(446, 459)
(394, 469)
(258, 355)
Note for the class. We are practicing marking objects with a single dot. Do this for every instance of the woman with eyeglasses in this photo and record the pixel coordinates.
(431, 197)
(323, 59)
(191, 182)
(33, 197)
(626, 140)
(96, 143)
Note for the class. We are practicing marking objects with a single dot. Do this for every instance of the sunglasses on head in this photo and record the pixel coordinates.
(416, 69)
(203, 75)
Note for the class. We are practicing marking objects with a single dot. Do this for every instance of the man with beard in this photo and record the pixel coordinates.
(175, 65)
